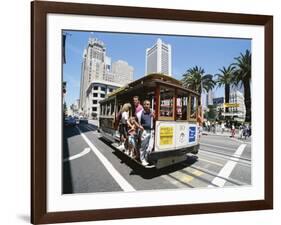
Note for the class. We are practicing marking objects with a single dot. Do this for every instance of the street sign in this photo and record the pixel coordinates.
(228, 105)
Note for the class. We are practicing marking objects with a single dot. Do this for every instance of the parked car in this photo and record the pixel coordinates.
(69, 121)
(83, 120)
(77, 120)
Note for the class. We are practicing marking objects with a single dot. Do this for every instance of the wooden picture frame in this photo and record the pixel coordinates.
(39, 12)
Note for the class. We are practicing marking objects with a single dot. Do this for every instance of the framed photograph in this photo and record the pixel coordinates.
(146, 112)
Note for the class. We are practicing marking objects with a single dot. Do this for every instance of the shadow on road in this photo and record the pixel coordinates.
(69, 132)
(67, 186)
(149, 173)
(153, 172)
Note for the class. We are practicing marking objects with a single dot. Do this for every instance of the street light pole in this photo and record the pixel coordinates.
(202, 114)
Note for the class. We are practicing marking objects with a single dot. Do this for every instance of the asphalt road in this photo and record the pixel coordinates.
(90, 164)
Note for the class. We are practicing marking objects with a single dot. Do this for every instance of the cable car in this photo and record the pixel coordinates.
(175, 124)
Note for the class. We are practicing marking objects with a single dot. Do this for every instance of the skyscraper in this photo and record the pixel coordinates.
(93, 66)
(99, 76)
(210, 96)
(159, 59)
(123, 71)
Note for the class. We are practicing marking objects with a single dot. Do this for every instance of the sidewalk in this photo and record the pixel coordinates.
(226, 134)
(94, 122)
(218, 133)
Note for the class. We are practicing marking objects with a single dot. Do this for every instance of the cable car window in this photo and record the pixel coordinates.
(112, 108)
(182, 103)
(166, 103)
(102, 109)
(108, 109)
(193, 107)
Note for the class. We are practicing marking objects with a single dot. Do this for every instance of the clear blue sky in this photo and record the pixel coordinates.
(209, 53)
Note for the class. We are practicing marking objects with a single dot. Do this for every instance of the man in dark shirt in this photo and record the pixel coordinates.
(147, 138)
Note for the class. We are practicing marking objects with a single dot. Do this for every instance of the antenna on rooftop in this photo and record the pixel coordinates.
(91, 35)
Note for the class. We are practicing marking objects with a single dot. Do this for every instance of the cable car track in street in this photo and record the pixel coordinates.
(242, 160)
(192, 174)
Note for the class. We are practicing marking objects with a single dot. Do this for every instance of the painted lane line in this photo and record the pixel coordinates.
(217, 146)
(84, 152)
(92, 129)
(225, 172)
(186, 178)
(87, 127)
(174, 181)
(209, 161)
(214, 174)
(121, 181)
(223, 155)
(217, 156)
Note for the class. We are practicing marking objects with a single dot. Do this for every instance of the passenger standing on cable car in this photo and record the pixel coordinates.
(147, 137)
(123, 128)
(138, 108)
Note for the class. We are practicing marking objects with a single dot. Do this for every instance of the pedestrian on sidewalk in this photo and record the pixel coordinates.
(232, 130)
(214, 127)
(222, 127)
(245, 131)
(208, 124)
(200, 121)
(241, 131)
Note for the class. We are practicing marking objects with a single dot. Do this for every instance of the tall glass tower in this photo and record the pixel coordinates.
(159, 59)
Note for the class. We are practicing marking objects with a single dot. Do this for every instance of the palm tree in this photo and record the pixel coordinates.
(225, 78)
(196, 79)
(243, 77)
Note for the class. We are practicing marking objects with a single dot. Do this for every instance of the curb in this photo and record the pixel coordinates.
(228, 136)
(212, 134)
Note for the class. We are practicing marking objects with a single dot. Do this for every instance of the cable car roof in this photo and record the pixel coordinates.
(151, 80)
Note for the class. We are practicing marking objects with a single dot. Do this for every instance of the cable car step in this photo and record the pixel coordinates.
(116, 145)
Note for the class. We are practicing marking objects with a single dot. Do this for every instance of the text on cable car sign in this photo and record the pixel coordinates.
(166, 135)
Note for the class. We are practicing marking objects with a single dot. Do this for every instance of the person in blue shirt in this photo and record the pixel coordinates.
(147, 136)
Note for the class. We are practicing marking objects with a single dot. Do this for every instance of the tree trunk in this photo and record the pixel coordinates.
(200, 94)
(226, 94)
(247, 100)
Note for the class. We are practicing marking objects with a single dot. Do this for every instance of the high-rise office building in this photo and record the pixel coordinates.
(159, 58)
(210, 96)
(123, 71)
(93, 66)
(99, 76)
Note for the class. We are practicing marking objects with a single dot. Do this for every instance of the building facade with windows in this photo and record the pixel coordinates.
(122, 71)
(99, 76)
(238, 112)
(159, 58)
(236, 105)
(96, 92)
(93, 67)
